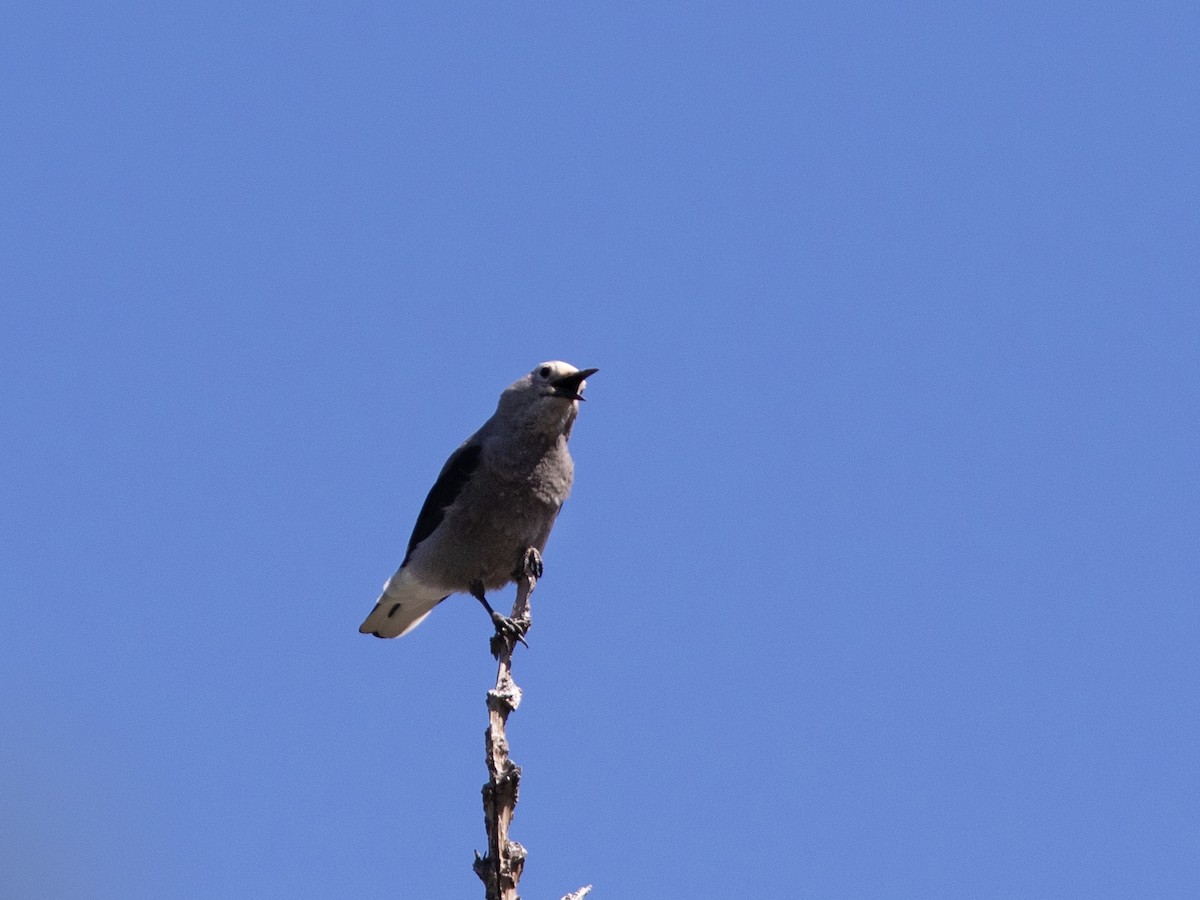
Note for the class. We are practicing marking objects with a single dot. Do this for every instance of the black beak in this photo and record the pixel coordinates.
(567, 387)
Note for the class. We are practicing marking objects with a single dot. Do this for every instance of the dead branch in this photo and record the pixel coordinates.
(500, 869)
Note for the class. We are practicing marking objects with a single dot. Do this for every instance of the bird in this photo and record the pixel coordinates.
(489, 514)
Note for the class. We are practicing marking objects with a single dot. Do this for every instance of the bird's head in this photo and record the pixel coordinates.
(560, 380)
(547, 399)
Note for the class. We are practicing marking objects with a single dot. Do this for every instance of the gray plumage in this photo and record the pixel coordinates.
(497, 495)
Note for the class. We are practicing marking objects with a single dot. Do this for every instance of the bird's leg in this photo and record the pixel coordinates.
(506, 629)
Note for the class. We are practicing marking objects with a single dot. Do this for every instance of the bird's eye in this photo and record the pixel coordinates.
(544, 372)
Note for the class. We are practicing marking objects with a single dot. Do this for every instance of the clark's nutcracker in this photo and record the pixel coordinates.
(495, 499)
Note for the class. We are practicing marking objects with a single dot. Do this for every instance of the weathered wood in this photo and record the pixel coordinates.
(500, 869)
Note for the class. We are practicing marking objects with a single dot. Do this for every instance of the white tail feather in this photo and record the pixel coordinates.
(403, 605)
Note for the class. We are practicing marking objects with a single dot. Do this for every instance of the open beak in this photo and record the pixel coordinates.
(568, 386)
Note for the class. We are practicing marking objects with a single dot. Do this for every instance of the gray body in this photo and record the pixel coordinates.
(497, 496)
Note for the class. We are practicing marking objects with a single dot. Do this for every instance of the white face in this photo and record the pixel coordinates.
(560, 380)
(548, 371)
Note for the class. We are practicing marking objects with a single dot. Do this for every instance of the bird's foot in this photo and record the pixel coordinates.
(508, 630)
(530, 565)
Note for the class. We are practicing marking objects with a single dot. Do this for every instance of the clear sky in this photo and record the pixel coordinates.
(880, 576)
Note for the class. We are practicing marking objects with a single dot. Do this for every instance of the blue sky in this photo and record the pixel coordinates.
(880, 575)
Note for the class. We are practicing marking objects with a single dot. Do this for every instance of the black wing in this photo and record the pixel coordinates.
(455, 474)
